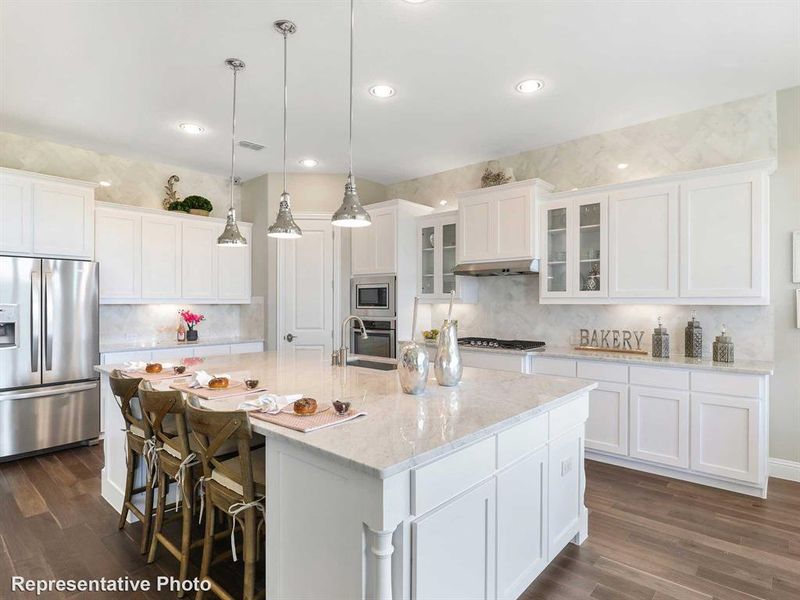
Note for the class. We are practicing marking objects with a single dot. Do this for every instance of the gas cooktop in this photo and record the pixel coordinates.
(480, 342)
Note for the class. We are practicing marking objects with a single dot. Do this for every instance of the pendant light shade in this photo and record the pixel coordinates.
(231, 236)
(284, 226)
(351, 213)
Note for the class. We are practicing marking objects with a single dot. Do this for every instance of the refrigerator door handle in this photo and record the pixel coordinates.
(36, 315)
(48, 323)
(49, 391)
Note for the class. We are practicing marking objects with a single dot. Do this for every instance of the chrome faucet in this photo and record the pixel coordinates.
(339, 357)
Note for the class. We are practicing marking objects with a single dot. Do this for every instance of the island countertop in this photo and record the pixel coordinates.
(400, 431)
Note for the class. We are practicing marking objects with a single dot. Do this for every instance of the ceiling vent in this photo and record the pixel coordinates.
(250, 145)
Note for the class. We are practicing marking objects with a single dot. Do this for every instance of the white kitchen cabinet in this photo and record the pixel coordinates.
(453, 548)
(172, 354)
(557, 264)
(218, 350)
(233, 267)
(607, 426)
(16, 214)
(726, 436)
(247, 347)
(437, 243)
(499, 223)
(643, 242)
(118, 249)
(161, 257)
(199, 260)
(564, 489)
(724, 237)
(659, 427)
(374, 248)
(521, 523)
(63, 220)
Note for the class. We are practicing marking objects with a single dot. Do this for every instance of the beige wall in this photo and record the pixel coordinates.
(785, 218)
(312, 193)
(134, 182)
(717, 135)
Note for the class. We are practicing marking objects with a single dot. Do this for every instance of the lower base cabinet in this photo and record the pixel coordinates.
(660, 425)
(453, 548)
(521, 524)
(565, 497)
(607, 427)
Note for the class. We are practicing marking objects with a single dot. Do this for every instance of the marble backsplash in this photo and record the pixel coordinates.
(121, 323)
(508, 308)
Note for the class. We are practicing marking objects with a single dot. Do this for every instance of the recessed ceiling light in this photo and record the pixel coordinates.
(309, 162)
(622, 166)
(105, 183)
(382, 91)
(443, 202)
(192, 128)
(529, 86)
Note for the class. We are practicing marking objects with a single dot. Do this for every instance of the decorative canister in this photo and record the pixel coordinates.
(447, 366)
(413, 362)
(660, 341)
(723, 348)
(694, 338)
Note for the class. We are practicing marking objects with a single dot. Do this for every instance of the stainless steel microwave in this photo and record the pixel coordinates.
(373, 296)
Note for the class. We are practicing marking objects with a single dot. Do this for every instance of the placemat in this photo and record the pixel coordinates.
(305, 424)
(236, 388)
(165, 374)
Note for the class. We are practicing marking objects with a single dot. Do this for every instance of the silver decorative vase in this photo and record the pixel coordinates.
(412, 368)
(447, 366)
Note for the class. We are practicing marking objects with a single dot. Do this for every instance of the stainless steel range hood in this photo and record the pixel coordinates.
(500, 267)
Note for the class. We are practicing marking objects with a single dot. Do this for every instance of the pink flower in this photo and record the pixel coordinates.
(191, 318)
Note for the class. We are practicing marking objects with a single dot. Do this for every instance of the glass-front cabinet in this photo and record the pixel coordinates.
(437, 241)
(575, 243)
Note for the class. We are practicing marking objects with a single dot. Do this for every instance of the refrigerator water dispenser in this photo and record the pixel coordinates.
(9, 315)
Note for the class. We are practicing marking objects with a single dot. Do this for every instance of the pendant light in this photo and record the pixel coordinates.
(351, 213)
(231, 236)
(284, 225)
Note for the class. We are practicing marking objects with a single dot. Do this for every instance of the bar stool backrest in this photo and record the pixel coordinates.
(212, 429)
(125, 391)
(161, 405)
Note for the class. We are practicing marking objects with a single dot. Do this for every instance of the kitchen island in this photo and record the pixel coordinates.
(464, 492)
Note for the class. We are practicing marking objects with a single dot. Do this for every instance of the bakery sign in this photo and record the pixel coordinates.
(612, 340)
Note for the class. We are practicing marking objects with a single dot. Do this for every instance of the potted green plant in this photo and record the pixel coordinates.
(197, 205)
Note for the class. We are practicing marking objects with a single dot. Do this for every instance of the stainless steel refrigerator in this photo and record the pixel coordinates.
(49, 344)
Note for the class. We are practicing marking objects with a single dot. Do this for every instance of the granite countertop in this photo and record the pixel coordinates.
(750, 367)
(432, 344)
(400, 430)
(163, 345)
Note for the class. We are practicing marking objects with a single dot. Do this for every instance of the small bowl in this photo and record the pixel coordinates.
(340, 407)
(179, 369)
(251, 384)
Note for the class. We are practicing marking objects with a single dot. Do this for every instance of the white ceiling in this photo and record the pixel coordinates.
(118, 77)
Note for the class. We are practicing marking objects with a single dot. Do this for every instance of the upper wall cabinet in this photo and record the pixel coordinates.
(46, 216)
(437, 247)
(149, 256)
(693, 238)
(499, 223)
(385, 246)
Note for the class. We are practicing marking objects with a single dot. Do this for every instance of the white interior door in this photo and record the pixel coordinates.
(306, 300)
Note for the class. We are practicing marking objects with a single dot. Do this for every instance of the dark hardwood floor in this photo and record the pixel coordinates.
(650, 538)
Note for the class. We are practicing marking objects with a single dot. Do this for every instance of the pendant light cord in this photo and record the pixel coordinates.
(233, 134)
(285, 102)
(352, 27)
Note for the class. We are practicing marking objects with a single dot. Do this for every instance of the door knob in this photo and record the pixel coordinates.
(288, 337)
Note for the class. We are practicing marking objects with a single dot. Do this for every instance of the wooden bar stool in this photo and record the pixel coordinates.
(138, 450)
(236, 486)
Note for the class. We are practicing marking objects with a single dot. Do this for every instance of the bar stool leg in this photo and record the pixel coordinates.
(130, 461)
(148, 514)
(208, 544)
(161, 507)
(186, 533)
(249, 551)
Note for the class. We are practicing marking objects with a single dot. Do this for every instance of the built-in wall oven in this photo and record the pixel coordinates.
(373, 296)
(380, 339)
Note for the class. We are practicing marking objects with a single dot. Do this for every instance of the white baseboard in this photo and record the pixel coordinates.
(784, 469)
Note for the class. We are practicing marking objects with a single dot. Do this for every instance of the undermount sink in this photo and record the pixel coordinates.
(372, 364)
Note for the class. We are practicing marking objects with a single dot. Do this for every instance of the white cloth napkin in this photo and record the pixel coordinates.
(201, 378)
(269, 403)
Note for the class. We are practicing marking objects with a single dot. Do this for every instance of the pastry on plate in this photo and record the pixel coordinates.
(218, 383)
(153, 368)
(305, 406)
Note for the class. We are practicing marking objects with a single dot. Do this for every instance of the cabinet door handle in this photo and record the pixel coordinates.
(289, 337)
